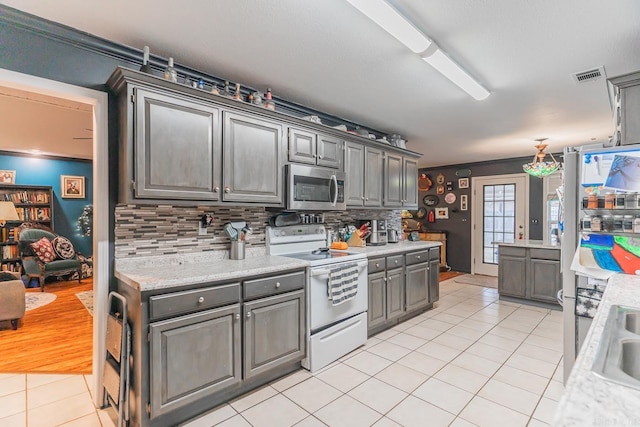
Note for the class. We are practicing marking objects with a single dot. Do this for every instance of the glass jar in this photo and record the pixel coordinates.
(592, 201)
(596, 223)
(620, 200)
(627, 223)
(608, 223)
(636, 224)
(609, 200)
(631, 201)
(585, 223)
(617, 224)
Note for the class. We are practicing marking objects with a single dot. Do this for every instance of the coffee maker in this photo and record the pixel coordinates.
(378, 228)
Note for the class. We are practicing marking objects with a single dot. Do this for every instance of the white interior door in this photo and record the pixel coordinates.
(500, 211)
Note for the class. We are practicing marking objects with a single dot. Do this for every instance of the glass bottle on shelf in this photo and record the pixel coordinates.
(592, 201)
(620, 201)
(609, 200)
(586, 223)
(636, 224)
(617, 224)
(269, 104)
(170, 73)
(237, 96)
(631, 201)
(627, 223)
(596, 223)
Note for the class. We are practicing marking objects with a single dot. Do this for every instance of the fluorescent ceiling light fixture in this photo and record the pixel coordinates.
(392, 22)
(445, 65)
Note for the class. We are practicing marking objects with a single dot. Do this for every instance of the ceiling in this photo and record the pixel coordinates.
(328, 56)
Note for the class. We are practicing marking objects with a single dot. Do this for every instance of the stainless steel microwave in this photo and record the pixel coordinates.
(315, 188)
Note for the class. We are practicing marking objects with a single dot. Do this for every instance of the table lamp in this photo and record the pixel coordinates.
(7, 213)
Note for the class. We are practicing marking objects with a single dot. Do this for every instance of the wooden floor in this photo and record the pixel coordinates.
(444, 275)
(56, 338)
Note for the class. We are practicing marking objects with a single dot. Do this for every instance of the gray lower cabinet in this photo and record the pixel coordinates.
(529, 273)
(196, 348)
(252, 155)
(176, 147)
(274, 332)
(194, 356)
(401, 286)
(512, 275)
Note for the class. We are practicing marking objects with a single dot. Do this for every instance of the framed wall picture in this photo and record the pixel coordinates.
(72, 186)
(464, 203)
(7, 177)
(440, 189)
(463, 182)
(442, 213)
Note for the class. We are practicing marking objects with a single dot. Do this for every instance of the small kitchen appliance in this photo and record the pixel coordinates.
(377, 228)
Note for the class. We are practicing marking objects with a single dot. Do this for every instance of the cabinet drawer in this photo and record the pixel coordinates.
(273, 285)
(512, 251)
(545, 253)
(195, 300)
(434, 253)
(395, 261)
(417, 257)
(376, 265)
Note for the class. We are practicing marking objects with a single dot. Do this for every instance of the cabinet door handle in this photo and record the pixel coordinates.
(314, 156)
(237, 316)
(200, 300)
(248, 314)
(227, 189)
(367, 198)
(216, 189)
(418, 256)
(320, 157)
(385, 279)
(396, 261)
(277, 284)
(377, 265)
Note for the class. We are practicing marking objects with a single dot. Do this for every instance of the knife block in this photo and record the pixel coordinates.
(355, 241)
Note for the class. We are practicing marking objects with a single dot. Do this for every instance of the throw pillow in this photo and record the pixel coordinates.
(63, 248)
(43, 250)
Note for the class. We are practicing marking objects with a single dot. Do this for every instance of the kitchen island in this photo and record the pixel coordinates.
(529, 272)
(590, 400)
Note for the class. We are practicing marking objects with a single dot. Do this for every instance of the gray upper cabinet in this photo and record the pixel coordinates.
(177, 147)
(400, 181)
(363, 168)
(252, 150)
(314, 149)
(354, 171)
(194, 356)
(274, 332)
(330, 151)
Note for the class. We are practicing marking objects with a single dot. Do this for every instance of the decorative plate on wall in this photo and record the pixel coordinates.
(422, 212)
(440, 179)
(440, 189)
(424, 182)
(430, 200)
(450, 198)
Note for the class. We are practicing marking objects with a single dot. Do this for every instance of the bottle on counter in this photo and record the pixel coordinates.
(170, 73)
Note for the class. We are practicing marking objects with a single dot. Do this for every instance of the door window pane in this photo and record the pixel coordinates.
(499, 219)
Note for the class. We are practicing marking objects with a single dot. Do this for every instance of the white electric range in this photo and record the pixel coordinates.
(332, 330)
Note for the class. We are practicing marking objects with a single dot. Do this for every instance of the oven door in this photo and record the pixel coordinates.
(322, 313)
(314, 188)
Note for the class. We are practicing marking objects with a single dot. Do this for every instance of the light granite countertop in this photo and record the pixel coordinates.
(166, 271)
(537, 244)
(395, 248)
(588, 399)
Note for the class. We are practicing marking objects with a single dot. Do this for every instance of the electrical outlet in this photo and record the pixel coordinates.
(202, 231)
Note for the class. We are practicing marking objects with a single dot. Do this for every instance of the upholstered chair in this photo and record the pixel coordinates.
(11, 299)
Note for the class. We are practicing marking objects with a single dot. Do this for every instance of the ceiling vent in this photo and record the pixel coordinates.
(589, 75)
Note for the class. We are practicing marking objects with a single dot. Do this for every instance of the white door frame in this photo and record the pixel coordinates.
(99, 101)
(476, 208)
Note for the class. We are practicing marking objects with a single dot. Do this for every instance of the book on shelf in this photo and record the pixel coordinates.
(13, 267)
(10, 251)
(26, 197)
(34, 214)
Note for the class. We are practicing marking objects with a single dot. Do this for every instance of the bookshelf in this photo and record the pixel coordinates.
(33, 204)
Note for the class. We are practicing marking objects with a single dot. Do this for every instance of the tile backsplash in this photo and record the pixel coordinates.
(147, 230)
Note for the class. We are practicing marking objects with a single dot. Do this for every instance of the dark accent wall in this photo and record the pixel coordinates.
(31, 170)
(458, 226)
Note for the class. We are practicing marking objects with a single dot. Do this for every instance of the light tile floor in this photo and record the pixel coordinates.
(472, 360)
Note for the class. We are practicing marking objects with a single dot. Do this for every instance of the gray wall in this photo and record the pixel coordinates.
(458, 226)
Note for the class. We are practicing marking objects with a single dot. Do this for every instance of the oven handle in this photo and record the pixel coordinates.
(334, 182)
(325, 272)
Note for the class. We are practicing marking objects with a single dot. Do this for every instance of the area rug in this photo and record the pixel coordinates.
(35, 300)
(478, 280)
(86, 298)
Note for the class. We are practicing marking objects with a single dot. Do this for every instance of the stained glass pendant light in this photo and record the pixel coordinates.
(538, 166)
